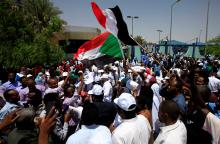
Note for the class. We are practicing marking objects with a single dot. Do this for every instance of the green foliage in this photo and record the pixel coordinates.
(214, 49)
(26, 28)
(141, 40)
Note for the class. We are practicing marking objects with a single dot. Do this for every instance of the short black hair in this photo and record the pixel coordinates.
(66, 88)
(50, 100)
(50, 97)
(21, 78)
(97, 98)
(7, 94)
(127, 114)
(200, 95)
(37, 92)
(90, 114)
(144, 100)
(141, 102)
(107, 113)
(171, 108)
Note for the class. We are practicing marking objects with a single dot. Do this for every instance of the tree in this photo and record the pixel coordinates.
(215, 48)
(141, 40)
(42, 14)
(26, 27)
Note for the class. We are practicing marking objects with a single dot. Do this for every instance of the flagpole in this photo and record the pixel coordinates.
(123, 56)
(151, 56)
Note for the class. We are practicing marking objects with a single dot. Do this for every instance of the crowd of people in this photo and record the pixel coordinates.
(159, 100)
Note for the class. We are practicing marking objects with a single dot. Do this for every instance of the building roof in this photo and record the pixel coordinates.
(69, 28)
(76, 33)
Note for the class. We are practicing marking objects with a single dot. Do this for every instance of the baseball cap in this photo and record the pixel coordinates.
(131, 84)
(104, 76)
(167, 78)
(29, 75)
(100, 71)
(65, 74)
(20, 75)
(125, 101)
(96, 90)
(80, 71)
(201, 64)
(116, 62)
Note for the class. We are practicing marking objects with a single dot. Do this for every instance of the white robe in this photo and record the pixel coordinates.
(156, 103)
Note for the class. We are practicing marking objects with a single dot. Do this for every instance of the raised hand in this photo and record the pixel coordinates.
(46, 125)
(9, 119)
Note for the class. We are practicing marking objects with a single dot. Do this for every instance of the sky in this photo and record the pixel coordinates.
(189, 17)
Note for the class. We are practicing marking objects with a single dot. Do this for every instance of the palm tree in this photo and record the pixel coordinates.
(41, 12)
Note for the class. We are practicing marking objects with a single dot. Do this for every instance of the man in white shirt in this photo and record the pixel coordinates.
(11, 83)
(212, 125)
(11, 96)
(214, 83)
(155, 104)
(53, 86)
(133, 129)
(174, 131)
(30, 86)
(90, 132)
(107, 88)
(64, 75)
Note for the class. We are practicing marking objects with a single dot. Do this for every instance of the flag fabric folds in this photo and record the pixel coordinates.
(112, 20)
(102, 46)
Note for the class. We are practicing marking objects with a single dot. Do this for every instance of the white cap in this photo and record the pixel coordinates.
(20, 75)
(201, 64)
(131, 84)
(88, 79)
(80, 71)
(104, 76)
(129, 70)
(198, 61)
(29, 75)
(65, 74)
(100, 71)
(124, 101)
(166, 78)
(47, 73)
(96, 90)
(94, 68)
(116, 62)
(138, 68)
(90, 92)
